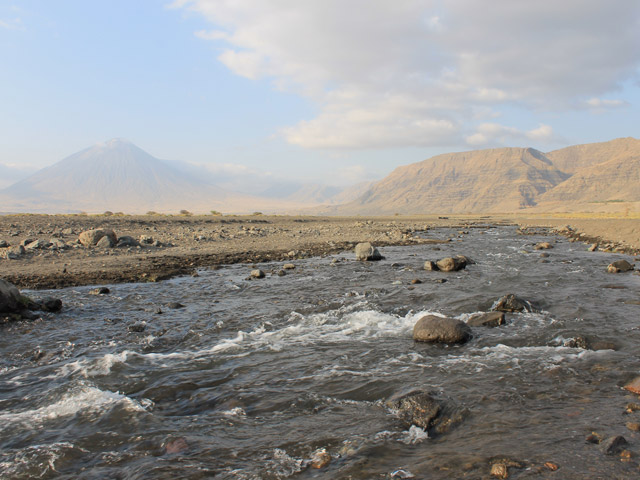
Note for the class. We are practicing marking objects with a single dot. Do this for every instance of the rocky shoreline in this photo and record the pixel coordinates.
(46, 251)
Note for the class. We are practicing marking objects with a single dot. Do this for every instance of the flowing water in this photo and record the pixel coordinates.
(253, 376)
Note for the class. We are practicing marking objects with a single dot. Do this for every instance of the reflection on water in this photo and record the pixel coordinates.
(252, 377)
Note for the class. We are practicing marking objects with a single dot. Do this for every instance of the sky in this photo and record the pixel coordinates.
(327, 91)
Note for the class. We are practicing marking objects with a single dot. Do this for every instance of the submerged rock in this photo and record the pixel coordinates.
(489, 319)
(512, 303)
(424, 410)
(433, 329)
(612, 445)
(543, 246)
(365, 252)
(100, 291)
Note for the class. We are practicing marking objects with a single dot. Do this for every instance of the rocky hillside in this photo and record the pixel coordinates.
(496, 180)
(582, 177)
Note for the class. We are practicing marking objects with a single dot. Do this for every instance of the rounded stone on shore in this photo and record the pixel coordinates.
(434, 329)
(90, 238)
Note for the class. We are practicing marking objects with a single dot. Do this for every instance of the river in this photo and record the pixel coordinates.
(251, 377)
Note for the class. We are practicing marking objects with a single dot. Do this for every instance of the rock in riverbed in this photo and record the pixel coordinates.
(449, 264)
(490, 319)
(365, 252)
(433, 329)
(15, 306)
(512, 303)
(619, 266)
(633, 386)
(424, 410)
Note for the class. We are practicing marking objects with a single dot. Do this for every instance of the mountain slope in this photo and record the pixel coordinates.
(572, 159)
(616, 180)
(495, 180)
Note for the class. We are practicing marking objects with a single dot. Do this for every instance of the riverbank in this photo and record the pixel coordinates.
(179, 245)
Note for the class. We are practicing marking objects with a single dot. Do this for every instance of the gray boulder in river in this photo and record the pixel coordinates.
(365, 252)
(433, 329)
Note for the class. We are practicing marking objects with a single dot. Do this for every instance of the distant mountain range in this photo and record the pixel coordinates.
(118, 176)
(594, 177)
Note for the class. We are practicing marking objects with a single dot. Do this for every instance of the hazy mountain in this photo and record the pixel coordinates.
(10, 174)
(117, 176)
(496, 180)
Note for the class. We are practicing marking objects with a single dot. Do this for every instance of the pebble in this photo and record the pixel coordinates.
(633, 426)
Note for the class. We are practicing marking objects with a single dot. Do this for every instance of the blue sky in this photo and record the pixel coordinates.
(329, 91)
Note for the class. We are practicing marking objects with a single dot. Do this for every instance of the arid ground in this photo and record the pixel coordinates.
(179, 245)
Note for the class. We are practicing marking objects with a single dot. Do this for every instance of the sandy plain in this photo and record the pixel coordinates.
(183, 244)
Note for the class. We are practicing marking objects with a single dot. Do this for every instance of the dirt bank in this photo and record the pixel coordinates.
(178, 245)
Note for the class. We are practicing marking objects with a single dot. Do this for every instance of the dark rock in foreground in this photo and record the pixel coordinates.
(433, 329)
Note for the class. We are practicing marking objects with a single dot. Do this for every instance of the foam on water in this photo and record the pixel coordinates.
(80, 400)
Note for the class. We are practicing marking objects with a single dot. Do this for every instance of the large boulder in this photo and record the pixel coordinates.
(512, 303)
(10, 299)
(89, 238)
(365, 252)
(15, 306)
(433, 329)
(619, 266)
(424, 410)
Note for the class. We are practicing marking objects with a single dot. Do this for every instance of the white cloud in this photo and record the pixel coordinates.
(601, 103)
(415, 72)
(496, 134)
